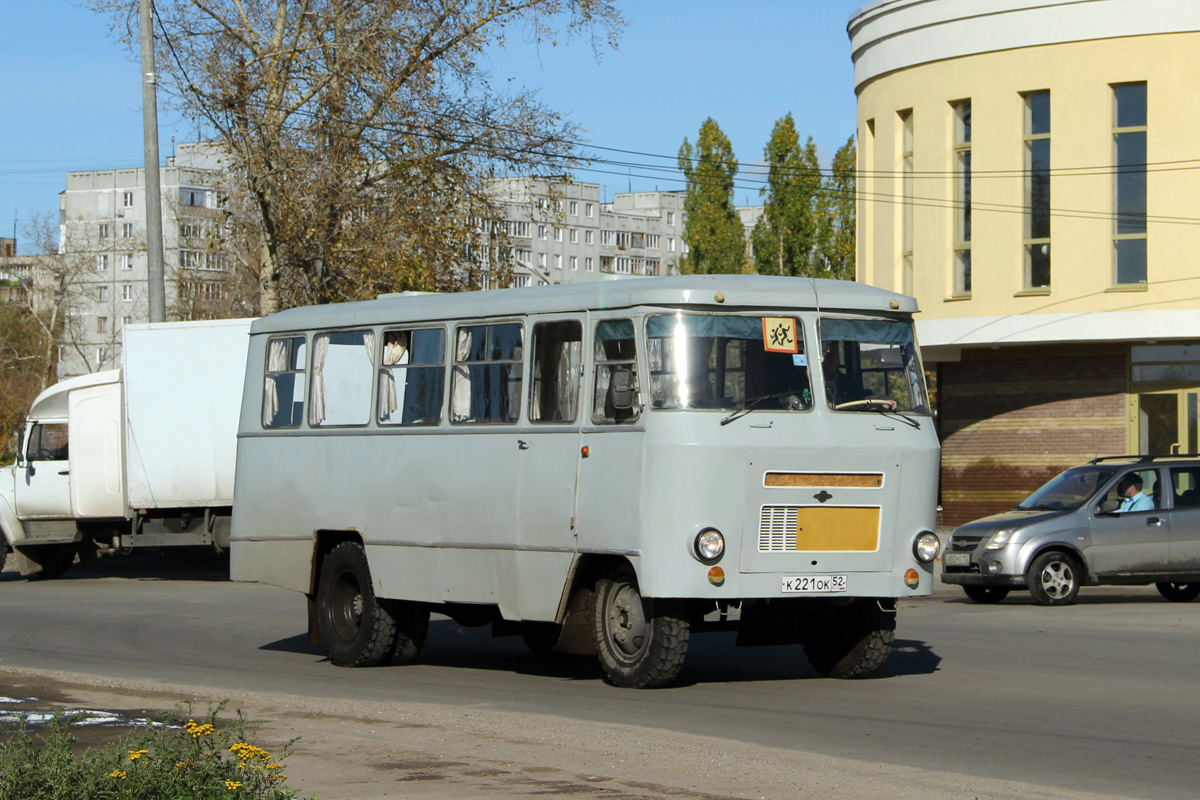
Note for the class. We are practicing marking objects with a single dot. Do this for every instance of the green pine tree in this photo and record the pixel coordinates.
(785, 237)
(713, 231)
(837, 214)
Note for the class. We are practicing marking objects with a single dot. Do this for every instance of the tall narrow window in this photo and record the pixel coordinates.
(1037, 190)
(906, 221)
(1129, 184)
(962, 197)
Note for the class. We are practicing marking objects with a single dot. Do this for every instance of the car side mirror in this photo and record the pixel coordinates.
(1109, 506)
(620, 389)
(20, 437)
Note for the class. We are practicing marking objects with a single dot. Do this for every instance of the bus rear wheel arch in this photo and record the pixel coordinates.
(641, 643)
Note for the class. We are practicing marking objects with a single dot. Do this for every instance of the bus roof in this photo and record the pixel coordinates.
(738, 291)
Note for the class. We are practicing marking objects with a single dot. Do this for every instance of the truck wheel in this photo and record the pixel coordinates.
(357, 629)
(412, 627)
(641, 643)
(1179, 592)
(1053, 579)
(55, 559)
(854, 641)
(986, 594)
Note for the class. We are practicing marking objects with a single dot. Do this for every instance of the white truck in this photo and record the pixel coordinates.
(140, 456)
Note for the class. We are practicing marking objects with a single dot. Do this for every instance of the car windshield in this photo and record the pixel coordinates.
(727, 362)
(1068, 491)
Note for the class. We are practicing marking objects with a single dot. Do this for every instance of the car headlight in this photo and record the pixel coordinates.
(710, 545)
(999, 540)
(926, 546)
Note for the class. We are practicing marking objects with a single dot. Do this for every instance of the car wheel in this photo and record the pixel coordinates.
(986, 594)
(1179, 592)
(1054, 579)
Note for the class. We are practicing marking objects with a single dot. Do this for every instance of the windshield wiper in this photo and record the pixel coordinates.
(750, 403)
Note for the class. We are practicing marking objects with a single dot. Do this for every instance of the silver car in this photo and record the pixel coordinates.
(1128, 520)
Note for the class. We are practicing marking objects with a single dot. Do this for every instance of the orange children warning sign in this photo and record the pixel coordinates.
(779, 335)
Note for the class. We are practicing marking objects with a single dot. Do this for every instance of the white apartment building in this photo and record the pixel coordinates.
(560, 232)
(102, 221)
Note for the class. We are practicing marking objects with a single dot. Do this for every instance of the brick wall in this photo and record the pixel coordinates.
(1011, 419)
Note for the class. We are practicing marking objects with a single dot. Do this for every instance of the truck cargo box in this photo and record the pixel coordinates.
(183, 390)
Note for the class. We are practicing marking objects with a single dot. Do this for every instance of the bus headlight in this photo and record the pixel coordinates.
(926, 546)
(710, 545)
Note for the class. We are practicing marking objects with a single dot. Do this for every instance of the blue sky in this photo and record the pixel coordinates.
(72, 96)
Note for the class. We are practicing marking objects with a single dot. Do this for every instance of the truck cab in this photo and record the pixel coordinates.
(68, 468)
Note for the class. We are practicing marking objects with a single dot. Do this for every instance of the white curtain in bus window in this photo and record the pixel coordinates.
(412, 378)
(615, 349)
(557, 354)
(283, 387)
(342, 367)
(486, 382)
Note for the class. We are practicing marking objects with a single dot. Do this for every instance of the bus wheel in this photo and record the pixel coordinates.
(854, 640)
(641, 643)
(412, 626)
(358, 631)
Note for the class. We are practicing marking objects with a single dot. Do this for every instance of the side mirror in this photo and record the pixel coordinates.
(20, 437)
(620, 389)
(1109, 506)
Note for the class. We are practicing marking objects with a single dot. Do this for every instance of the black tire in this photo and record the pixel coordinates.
(540, 637)
(641, 643)
(358, 630)
(853, 641)
(412, 628)
(986, 594)
(1054, 579)
(54, 559)
(1179, 592)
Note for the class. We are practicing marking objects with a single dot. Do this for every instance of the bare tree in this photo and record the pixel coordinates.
(363, 131)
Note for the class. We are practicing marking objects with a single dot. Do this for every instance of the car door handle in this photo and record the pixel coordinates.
(65, 472)
(522, 444)
(1153, 520)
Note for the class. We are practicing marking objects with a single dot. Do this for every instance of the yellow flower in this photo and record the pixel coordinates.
(134, 755)
(118, 773)
(233, 786)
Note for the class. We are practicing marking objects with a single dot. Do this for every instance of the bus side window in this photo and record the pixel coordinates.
(283, 392)
(486, 381)
(412, 379)
(557, 358)
(616, 373)
(343, 364)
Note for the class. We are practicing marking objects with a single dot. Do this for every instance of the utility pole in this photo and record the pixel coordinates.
(154, 233)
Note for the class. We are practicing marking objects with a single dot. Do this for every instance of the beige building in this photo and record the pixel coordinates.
(1029, 171)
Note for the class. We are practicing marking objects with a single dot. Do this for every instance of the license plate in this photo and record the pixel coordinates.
(957, 559)
(814, 583)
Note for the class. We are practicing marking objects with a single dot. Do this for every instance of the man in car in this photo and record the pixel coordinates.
(1132, 499)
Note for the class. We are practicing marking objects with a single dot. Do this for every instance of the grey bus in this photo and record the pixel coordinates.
(603, 468)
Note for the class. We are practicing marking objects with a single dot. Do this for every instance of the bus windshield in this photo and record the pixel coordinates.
(727, 362)
(871, 365)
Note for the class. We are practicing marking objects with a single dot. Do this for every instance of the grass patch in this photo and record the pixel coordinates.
(182, 759)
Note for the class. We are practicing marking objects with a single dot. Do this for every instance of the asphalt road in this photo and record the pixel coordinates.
(1099, 697)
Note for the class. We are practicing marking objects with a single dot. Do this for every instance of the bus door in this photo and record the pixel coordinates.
(547, 454)
(610, 476)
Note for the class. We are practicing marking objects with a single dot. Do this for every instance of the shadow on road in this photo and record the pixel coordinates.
(176, 563)
(712, 657)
